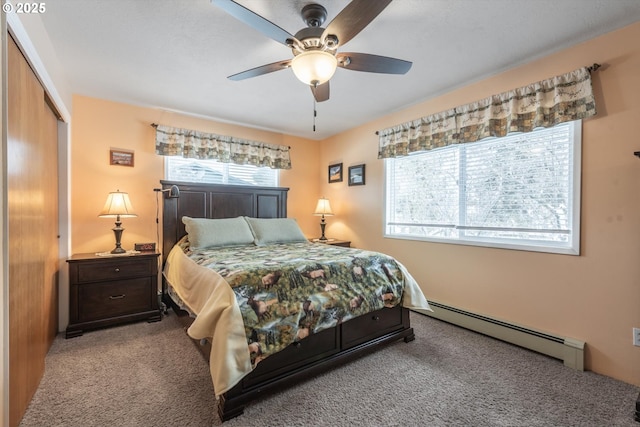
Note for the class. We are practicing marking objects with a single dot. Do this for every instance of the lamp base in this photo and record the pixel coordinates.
(322, 226)
(117, 231)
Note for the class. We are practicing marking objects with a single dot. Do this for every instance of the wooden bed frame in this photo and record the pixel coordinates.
(302, 359)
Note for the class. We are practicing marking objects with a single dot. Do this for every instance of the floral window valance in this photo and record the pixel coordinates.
(546, 103)
(194, 144)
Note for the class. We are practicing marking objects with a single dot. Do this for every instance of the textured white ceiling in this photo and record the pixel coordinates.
(177, 54)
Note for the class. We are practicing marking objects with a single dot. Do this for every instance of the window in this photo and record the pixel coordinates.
(521, 191)
(214, 172)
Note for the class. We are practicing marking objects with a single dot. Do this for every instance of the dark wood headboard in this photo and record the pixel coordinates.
(216, 201)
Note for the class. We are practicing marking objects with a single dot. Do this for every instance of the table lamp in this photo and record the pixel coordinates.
(323, 208)
(117, 205)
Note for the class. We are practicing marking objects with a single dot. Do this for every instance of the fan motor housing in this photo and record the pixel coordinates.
(310, 37)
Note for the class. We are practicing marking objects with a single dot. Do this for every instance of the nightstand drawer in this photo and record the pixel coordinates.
(114, 269)
(111, 299)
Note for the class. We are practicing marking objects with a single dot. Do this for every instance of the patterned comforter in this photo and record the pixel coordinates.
(287, 292)
(283, 293)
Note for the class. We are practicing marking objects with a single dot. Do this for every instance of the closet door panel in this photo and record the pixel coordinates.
(32, 236)
(49, 137)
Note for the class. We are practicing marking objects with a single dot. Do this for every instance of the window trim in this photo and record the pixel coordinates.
(570, 248)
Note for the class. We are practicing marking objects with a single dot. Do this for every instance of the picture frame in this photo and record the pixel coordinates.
(357, 175)
(121, 157)
(335, 173)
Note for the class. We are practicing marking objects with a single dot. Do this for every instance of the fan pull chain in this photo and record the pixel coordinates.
(315, 113)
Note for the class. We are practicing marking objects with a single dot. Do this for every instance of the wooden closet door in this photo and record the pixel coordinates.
(49, 135)
(32, 237)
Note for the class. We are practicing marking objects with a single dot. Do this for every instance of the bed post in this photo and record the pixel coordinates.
(169, 238)
(228, 407)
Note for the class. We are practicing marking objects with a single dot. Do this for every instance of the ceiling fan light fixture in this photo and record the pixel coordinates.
(314, 66)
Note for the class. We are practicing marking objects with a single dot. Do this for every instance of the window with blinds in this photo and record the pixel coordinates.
(521, 191)
(214, 172)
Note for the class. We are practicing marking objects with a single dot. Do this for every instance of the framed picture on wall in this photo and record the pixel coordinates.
(121, 157)
(335, 173)
(356, 175)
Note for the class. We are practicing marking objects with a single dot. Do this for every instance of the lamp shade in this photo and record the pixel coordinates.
(117, 204)
(323, 207)
(314, 66)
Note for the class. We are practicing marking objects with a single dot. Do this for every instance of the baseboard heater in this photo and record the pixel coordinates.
(569, 350)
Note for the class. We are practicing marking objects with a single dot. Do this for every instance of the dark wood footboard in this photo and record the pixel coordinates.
(317, 354)
(313, 355)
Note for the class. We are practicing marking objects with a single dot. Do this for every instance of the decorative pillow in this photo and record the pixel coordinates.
(210, 233)
(275, 230)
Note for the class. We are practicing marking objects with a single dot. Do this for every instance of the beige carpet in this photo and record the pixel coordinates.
(151, 375)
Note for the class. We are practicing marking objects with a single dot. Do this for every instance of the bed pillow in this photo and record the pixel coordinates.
(267, 231)
(210, 233)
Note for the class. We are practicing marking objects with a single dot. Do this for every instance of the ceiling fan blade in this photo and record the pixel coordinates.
(372, 63)
(321, 92)
(254, 20)
(264, 69)
(354, 18)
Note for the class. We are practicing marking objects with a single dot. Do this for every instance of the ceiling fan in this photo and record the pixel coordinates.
(315, 48)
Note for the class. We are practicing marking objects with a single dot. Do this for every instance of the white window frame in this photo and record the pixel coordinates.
(225, 171)
(572, 247)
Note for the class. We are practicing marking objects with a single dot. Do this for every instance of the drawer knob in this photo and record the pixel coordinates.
(297, 344)
(117, 296)
(376, 318)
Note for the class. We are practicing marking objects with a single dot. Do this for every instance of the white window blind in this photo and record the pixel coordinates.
(520, 191)
(214, 172)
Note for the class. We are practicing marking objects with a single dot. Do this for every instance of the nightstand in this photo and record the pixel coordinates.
(334, 242)
(110, 290)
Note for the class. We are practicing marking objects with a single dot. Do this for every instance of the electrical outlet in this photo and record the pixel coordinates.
(636, 336)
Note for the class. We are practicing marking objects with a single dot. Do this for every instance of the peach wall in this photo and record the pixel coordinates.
(594, 297)
(100, 125)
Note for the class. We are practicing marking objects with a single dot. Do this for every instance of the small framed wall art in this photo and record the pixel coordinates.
(121, 157)
(356, 175)
(335, 173)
